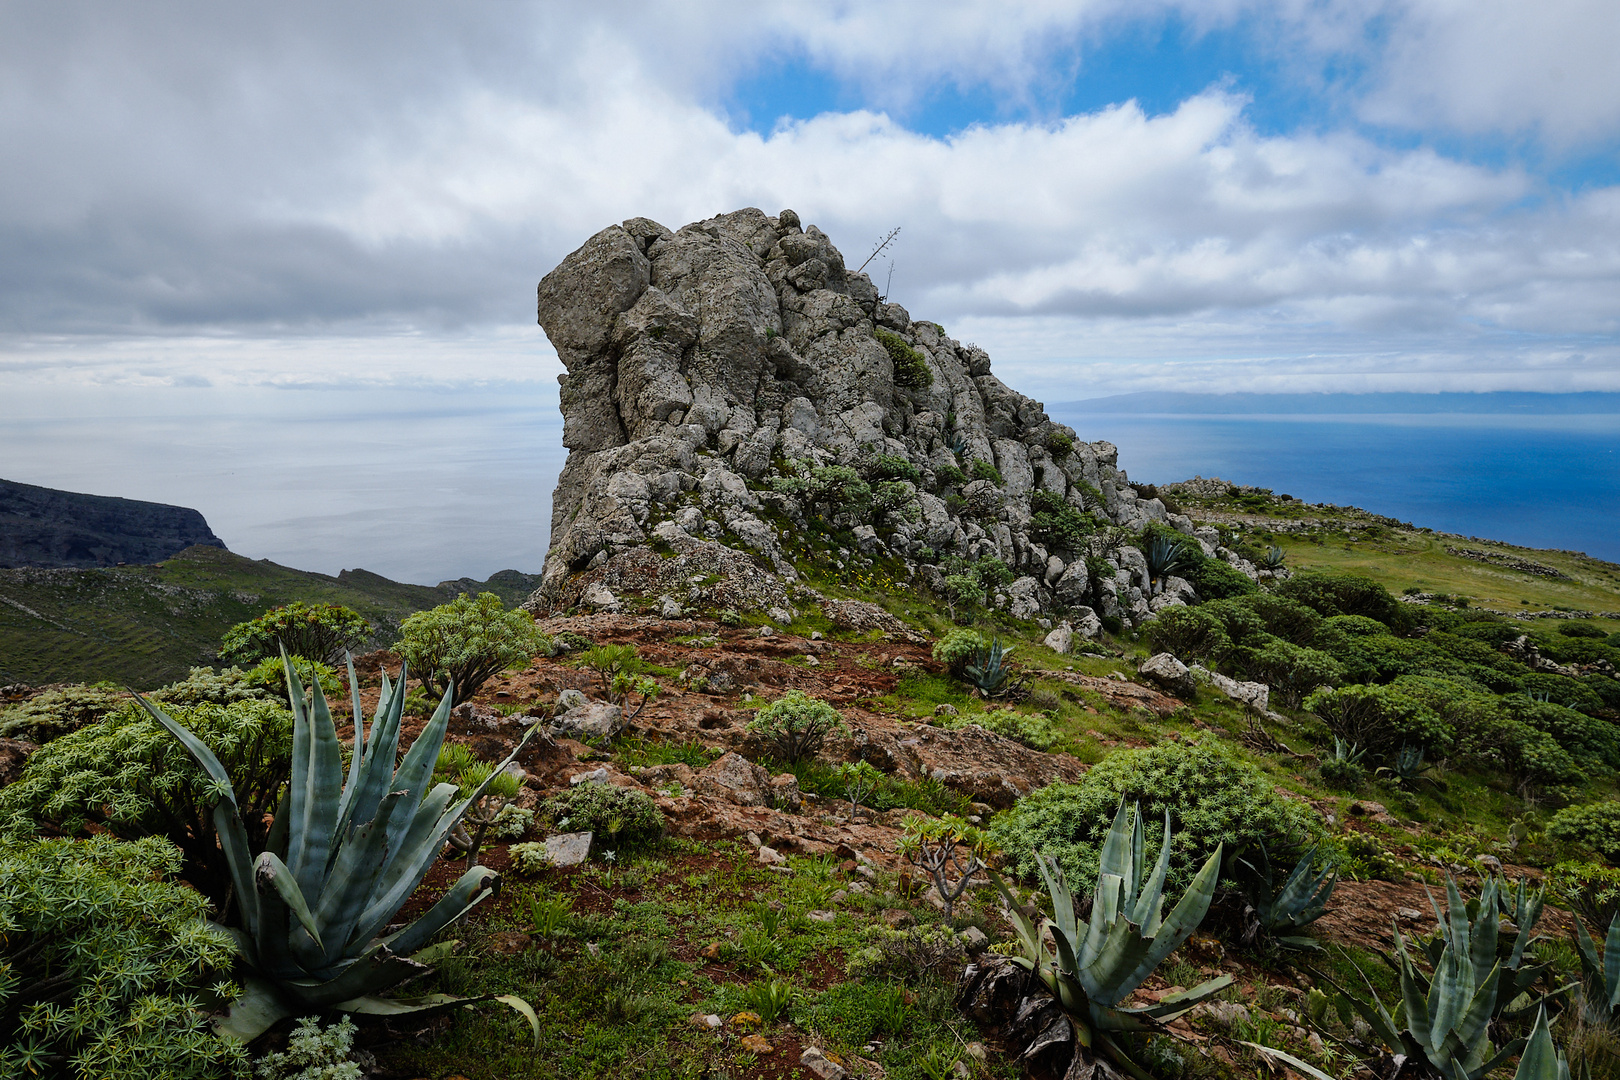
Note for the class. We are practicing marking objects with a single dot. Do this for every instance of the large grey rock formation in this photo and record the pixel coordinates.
(730, 381)
(44, 527)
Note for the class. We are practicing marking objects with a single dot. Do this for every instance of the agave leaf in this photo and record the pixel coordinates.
(406, 867)
(1028, 936)
(1611, 962)
(359, 751)
(1483, 934)
(233, 841)
(1171, 1006)
(1114, 856)
(1470, 1028)
(325, 793)
(1525, 915)
(1451, 993)
(1420, 1019)
(1148, 912)
(417, 768)
(1288, 1059)
(253, 1013)
(1062, 900)
(377, 969)
(382, 746)
(348, 888)
(471, 889)
(1183, 918)
(432, 1003)
(1540, 1060)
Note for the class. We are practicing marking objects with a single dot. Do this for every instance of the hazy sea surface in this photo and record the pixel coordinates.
(1541, 479)
(433, 483)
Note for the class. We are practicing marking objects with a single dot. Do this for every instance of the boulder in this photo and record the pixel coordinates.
(568, 849)
(735, 779)
(1169, 673)
(1061, 638)
(593, 720)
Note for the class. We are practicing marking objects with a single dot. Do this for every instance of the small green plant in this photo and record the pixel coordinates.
(314, 1054)
(268, 677)
(769, 999)
(618, 818)
(1060, 444)
(489, 796)
(989, 673)
(861, 780)
(313, 631)
(1344, 769)
(957, 648)
(943, 847)
(979, 469)
(796, 725)
(1590, 889)
(940, 1062)
(1165, 556)
(1096, 969)
(1273, 559)
(1278, 912)
(1594, 825)
(57, 712)
(550, 915)
(456, 647)
(910, 366)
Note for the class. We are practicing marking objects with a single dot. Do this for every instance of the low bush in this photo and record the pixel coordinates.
(796, 724)
(314, 1053)
(462, 643)
(1590, 889)
(128, 775)
(1212, 798)
(1329, 592)
(910, 366)
(619, 817)
(269, 678)
(1379, 719)
(1216, 580)
(1594, 825)
(313, 631)
(104, 964)
(1059, 525)
(57, 712)
(1292, 671)
(883, 467)
(205, 686)
(957, 648)
(1035, 732)
(980, 469)
(1190, 633)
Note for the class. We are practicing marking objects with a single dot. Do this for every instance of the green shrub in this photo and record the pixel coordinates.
(980, 469)
(1589, 888)
(1341, 774)
(618, 817)
(57, 712)
(1060, 444)
(1035, 732)
(910, 366)
(1213, 799)
(462, 643)
(891, 467)
(1379, 719)
(796, 724)
(1291, 671)
(1216, 580)
(1057, 524)
(1595, 826)
(313, 631)
(104, 962)
(950, 476)
(957, 648)
(1586, 738)
(269, 677)
(1562, 690)
(131, 777)
(206, 686)
(1330, 592)
(1284, 618)
(314, 1054)
(1189, 633)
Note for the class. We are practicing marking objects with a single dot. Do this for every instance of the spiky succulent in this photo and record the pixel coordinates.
(988, 669)
(340, 861)
(1097, 967)
(1602, 970)
(1302, 899)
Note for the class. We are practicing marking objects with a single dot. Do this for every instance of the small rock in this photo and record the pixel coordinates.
(973, 940)
(711, 951)
(821, 916)
(1227, 1014)
(593, 720)
(1489, 863)
(898, 919)
(1407, 914)
(1061, 639)
(1169, 673)
(767, 631)
(571, 699)
(746, 1020)
(668, 608)
(815, 1060)
(600, 597)
(568, 849)
(755, 1044)
(770, 856)
(708, 1021)
(945, 710)
(779, 615)
(595, 776)
(815, 635)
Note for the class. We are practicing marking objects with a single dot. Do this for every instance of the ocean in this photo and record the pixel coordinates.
(440, 482)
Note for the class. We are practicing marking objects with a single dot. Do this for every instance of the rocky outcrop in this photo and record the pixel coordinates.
(731, 382)
(43, 527)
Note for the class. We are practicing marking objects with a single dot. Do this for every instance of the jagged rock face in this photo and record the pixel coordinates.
(720, 375)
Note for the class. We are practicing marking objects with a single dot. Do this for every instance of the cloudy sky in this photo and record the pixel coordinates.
(1111, 196)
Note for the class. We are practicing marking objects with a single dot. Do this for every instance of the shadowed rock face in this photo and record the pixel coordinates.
(712, 368)
(47, 528)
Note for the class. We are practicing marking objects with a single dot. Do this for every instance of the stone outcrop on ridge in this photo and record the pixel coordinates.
(732, 380)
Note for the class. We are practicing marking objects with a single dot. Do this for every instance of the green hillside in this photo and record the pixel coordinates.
(144, 626)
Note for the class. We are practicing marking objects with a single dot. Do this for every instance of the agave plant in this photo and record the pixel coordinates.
(1301, 900)
(1164, 557)
(1602, 970)
(988, 670)
(1446, 1018)
(342, 857)
(1273, 559)
(1407, 767)
(1098, 967)
(1541, 1061)
(1475, 926)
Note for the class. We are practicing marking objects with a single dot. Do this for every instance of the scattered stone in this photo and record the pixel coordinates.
(820, 1065)
(1372, 811)
(668, 608)
(707, 1021)
(767, 631)
(898, 919)
(770, 856)
(737, 780)
(973, 940)
(1169, 673)
(746, 1020)
(1061, 639)
(815, 635)
(599, 597)
(568, 849)
(571, 699)
(821, 916)
(1226, 1014)
(14, 754)
(779, 615)
(946, 709)
(593, 720)
(711, 951)
(785, 794)
(595, 776)
(1407, 914)
(755, 1044)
